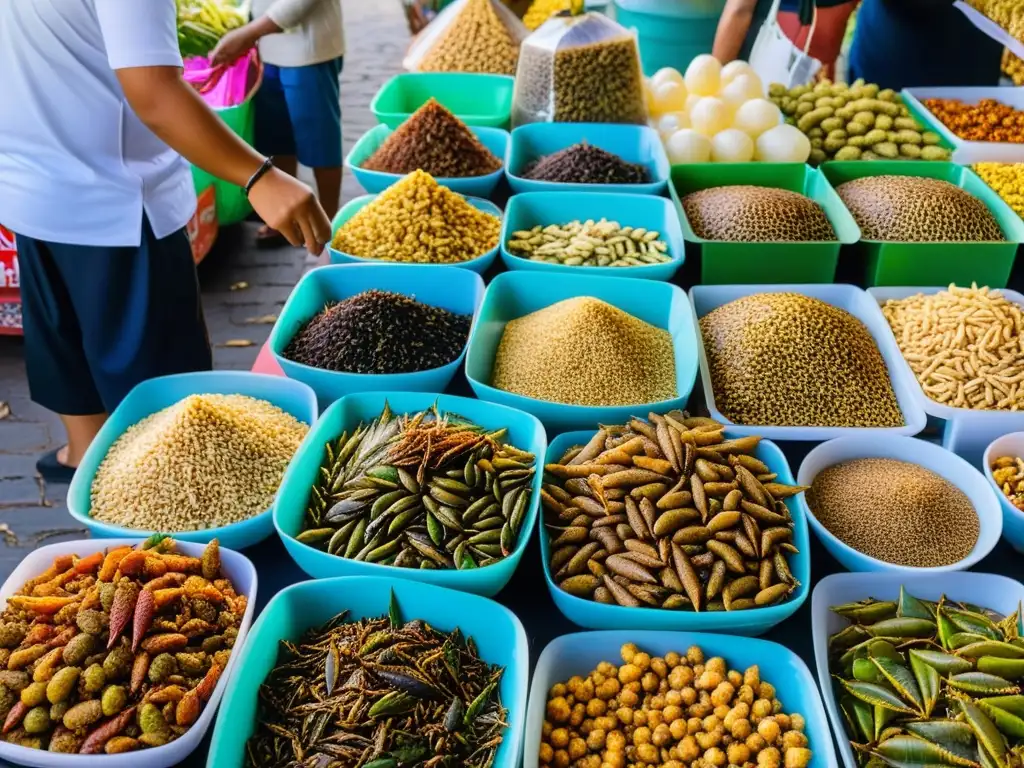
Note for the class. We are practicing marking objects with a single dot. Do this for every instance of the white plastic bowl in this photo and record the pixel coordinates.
(966, 432)
(704, 298)
(1013, 518)
(928, 455)
(236, 567)
(996, 592)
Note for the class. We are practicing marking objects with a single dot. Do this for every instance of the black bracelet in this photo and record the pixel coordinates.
(267, 165)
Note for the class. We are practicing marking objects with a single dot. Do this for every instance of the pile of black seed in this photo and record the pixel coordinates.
(586, 164)
(380, 332)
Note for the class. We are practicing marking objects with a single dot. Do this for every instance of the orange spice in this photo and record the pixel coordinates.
(988, 120)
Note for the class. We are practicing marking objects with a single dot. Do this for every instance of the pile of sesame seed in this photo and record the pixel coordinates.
(784, 359)
(895, 511)
(206, 461)
(583, 351)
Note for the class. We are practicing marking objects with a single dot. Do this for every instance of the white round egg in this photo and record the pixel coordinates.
(671, 122)
(756, 116)
(667, 75)
(733, 69)
(783, 144)
(732, 146)
(688, 146)
(703, 76)
(710, 115)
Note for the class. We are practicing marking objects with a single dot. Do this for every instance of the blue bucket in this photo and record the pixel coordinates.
(670, 32)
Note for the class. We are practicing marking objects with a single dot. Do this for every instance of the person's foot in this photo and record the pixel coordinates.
(267, 237)
(54, 468)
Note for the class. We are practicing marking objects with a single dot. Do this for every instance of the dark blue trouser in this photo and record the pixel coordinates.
(99, 320)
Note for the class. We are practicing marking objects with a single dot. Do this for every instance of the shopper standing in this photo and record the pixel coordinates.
(920, 43)
(93, 185)
(298, 111)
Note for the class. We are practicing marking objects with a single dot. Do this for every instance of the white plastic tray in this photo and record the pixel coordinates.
(966, 432)
(975, 486)
(996, 592)
(704, 298)
(236, 567)
(970, 152)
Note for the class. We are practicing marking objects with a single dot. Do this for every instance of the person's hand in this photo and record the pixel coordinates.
(232, 46)
(289, 206)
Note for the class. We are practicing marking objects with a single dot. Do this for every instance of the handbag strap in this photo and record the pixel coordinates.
(773, 12)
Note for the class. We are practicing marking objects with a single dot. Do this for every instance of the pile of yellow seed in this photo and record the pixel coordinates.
(966, 346)
(784, 359)
(418, 220)
(895, 511)
(583, 351)
(542, 10)
(206, 461)
(1008, 14)
(1007, 179)
(676, 711)
(477, 40)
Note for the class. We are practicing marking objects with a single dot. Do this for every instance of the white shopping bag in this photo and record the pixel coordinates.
(776, 59)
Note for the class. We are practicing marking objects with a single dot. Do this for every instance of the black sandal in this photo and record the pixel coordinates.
(52, 470)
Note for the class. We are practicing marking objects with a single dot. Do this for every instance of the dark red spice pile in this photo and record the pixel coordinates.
(380, 332)
(586, 164)
(436, 141)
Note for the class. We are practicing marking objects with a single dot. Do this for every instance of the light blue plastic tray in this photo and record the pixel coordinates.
(755, 621)
(705, 298)
(514, 294)
(524, 432)
(496, 631)
(495, 139)
(654, 213)
(460, 291)
(350, 209)
(580, 653)
(1013, 518)
(633, 143)
(156, 394)
(979, 492)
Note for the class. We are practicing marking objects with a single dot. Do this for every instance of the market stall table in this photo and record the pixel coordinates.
(527, 595)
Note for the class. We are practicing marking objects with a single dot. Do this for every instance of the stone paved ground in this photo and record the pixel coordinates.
(31, 513)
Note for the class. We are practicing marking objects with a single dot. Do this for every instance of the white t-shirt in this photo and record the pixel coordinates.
(77, 166)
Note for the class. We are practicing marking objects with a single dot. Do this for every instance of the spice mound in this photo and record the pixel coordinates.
(590, 244)
(206, 461)
(965, 345)
(583, 351)
(479, 39)
(785, 359)
(1007, 180)
(436, 141)
(426, 490)
(676, 710)
(669, 513)
(418, 220)
(1008, 473)
(116, 651)
(918, 681)
(744, 213)
(895, 511)
(988, 120)
(378, 332)
(401, 691)
(917, 209)
(584, 163)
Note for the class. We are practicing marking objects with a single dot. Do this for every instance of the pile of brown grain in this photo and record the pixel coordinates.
(436, 141)
(785, 359)
(895, 511)
(583, 351)
(477, 40)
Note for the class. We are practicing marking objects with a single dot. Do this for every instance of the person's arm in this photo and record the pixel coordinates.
(142, 49)
(283, 14)
(733, 27)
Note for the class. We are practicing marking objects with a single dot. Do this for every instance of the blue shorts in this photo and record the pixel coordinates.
(298, 112)
(99, 320)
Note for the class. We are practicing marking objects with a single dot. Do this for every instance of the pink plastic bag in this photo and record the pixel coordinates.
(227, 85)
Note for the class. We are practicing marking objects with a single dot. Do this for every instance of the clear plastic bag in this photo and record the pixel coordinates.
(469, 36)
(579, 69)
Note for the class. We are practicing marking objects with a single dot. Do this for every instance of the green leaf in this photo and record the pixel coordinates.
(928, 681)
(393, 612)
(911, 607)
(876, 695)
